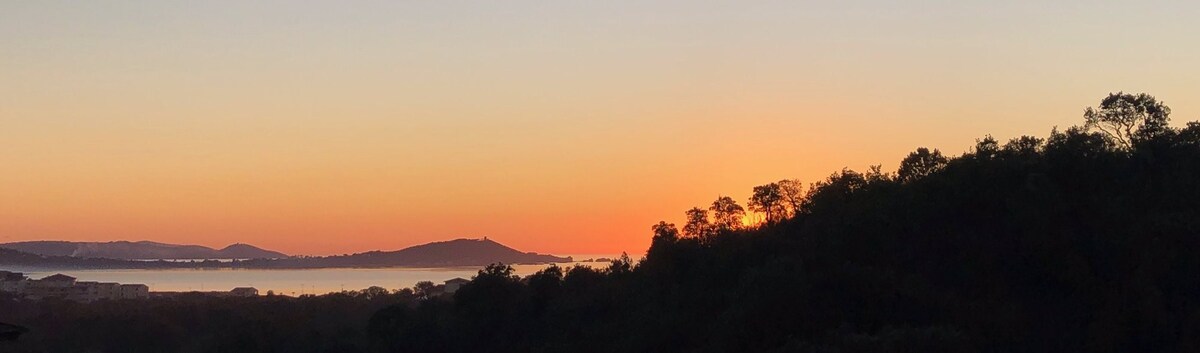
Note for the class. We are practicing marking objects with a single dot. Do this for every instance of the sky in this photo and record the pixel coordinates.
(330, 127)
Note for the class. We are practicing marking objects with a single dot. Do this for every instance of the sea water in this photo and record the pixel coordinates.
(288, 281)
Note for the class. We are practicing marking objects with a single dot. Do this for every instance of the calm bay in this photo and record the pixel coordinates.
(287, 281)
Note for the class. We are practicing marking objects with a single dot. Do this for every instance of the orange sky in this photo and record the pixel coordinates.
(563, 128)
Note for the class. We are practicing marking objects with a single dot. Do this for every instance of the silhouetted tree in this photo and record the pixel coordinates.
(792, 191)
(424, 289)
(875, 174)
(986, 148)
(834, 190)
(727, 214)
(697, 225)
(1125, 117)
(582, 279)
(1025, 147)
(1077, 143)
(620, 265)
(1190, 135)
(665, 231)
(374, 292)
(768, 200)
(920, 163)
(491, 306)
(546, 285)
(551, 276)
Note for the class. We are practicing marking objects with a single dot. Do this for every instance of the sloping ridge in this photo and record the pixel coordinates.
(140, 250)
(247, 251)
(47, 248)
(458, 252)
(452, 253)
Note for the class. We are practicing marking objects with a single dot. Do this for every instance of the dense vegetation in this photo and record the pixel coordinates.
(1086, 240)
(198, 323)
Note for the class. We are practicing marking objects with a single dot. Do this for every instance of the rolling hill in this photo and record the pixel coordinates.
(141, 250)
(452, 253)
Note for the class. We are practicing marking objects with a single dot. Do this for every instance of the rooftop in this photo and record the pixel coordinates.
(58, 278)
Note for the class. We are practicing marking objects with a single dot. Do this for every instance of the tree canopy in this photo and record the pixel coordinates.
(727, 214)
(1126, 118)
(921, 163)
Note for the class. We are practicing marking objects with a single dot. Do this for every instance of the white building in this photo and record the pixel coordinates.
(244, 292)
(134, 291)
(66, 287)
(12, 282)
(454, 284)
(84, 291)
(57, 280)
(108, 290)
(54, 286)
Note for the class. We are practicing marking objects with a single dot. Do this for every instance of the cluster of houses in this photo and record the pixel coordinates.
(66, 287)
(236, 292)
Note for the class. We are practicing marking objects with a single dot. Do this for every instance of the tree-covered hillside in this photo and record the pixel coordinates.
(1085, 240)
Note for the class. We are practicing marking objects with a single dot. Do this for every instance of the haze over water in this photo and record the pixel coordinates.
(289, 281)
(324, 128)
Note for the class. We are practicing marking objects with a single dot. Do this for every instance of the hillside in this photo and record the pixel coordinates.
(458, 252)
(1082, 241)
(11, 258)
(452, 253)
(141, 250)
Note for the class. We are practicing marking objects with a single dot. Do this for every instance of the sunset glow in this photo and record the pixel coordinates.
(313, 128)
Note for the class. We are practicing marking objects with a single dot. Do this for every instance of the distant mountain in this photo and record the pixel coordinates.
(15, 258)
(247, 251)
(452, 253)
(113, 255)
(141, 250)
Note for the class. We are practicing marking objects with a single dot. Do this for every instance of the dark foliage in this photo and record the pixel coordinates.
(199, 323)
(1071, 243)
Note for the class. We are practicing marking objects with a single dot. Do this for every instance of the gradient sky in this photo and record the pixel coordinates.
(556, 126)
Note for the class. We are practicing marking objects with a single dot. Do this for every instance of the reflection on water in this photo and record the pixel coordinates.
(290, 282)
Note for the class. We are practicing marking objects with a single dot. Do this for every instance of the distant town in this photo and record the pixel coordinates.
(65, 287)
(61, 255)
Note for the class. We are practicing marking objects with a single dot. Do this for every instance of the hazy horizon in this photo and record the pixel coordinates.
(319, 128)
(400, 247)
